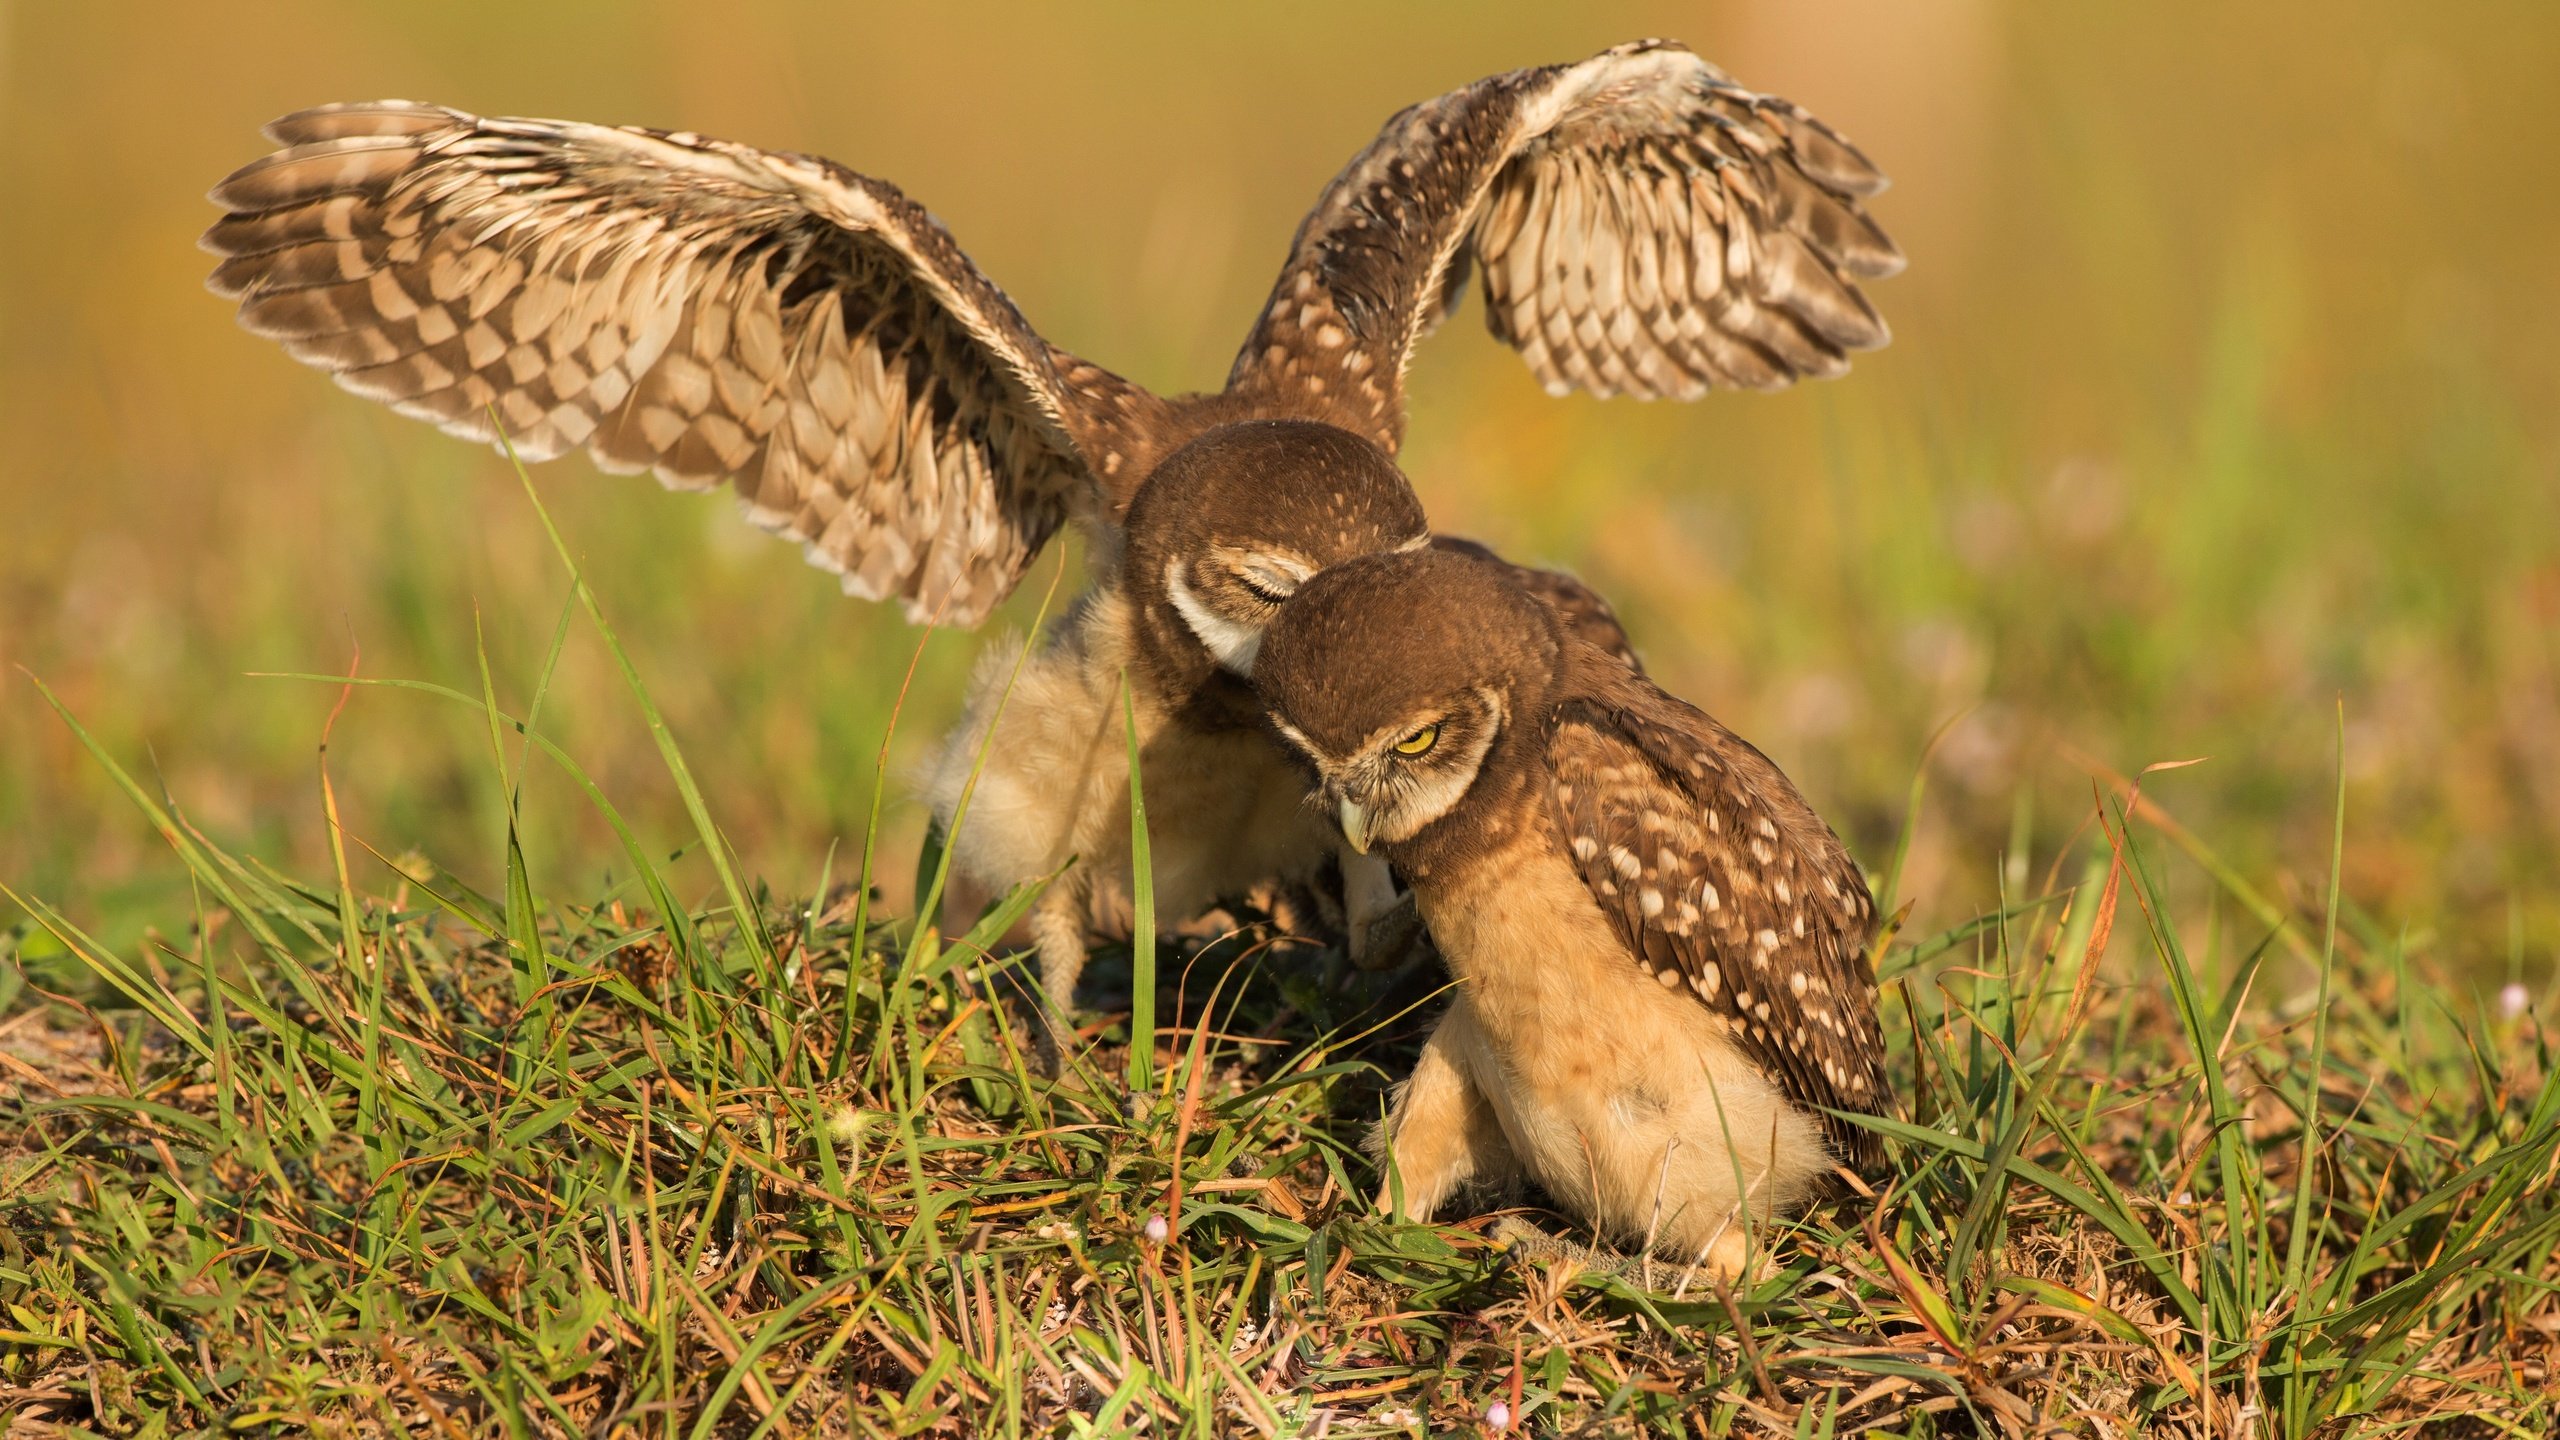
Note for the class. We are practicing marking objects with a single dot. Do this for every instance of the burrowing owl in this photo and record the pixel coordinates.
(1660, 949)
(715, 313)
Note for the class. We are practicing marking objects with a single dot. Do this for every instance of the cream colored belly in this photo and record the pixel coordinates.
(1224, 809)
(1619, 1096)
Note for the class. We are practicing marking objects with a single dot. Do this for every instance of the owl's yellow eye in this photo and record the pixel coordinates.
(1419, 741)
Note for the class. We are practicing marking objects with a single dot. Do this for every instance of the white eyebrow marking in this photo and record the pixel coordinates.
(1296, 737)
(1234, 645)
(1280, 571)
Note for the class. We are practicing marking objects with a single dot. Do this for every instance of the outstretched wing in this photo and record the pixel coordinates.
(1644, 227)
(702, 310)
(1717, 876)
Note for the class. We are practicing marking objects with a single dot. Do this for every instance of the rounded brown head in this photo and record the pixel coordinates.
(1407, 681)
(1233, 523)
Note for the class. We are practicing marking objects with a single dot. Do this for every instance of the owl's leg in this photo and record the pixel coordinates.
(1368, 893)
(1057, 932)
(1399, 938)
(1382, 927)
(1442, 1133)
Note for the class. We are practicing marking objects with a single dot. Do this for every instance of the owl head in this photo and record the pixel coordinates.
(1407, 681)
(1232, 524)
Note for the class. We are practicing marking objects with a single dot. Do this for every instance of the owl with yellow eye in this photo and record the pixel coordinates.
(810, 337)
(1664, 1012)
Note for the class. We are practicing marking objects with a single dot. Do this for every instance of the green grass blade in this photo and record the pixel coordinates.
(1142, 940)
(750, 923)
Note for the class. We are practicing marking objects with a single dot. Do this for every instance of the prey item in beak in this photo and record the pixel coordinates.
(1355, 825)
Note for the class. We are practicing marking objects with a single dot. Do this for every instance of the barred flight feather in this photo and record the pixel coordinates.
(708, 312)
(1643, 225)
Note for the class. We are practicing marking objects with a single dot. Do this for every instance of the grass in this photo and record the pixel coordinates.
(2219, 393)
(378, 1152)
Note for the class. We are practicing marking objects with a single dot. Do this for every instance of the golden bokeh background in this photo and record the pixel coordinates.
(2224, 390)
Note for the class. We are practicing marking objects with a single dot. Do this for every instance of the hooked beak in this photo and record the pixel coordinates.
(1355, 824)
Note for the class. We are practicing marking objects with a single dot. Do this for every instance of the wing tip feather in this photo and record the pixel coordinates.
(360, 117)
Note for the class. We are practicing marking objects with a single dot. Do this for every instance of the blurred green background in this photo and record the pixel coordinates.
(2224, 388)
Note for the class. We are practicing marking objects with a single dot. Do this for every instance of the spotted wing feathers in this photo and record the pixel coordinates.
(1721, 880)
(1643, 225)
(702, 310)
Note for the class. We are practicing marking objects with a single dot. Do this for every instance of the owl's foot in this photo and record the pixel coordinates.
(1395, 939)
(1053, 1033)
(1726, 1258)
(1524, 1240)
(1057, 932)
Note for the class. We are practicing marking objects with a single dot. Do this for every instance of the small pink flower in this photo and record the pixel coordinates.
(1157, 1230)
(1497, 1416)
(2513, 1001)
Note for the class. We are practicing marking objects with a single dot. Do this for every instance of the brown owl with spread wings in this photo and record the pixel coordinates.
(718, 314)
